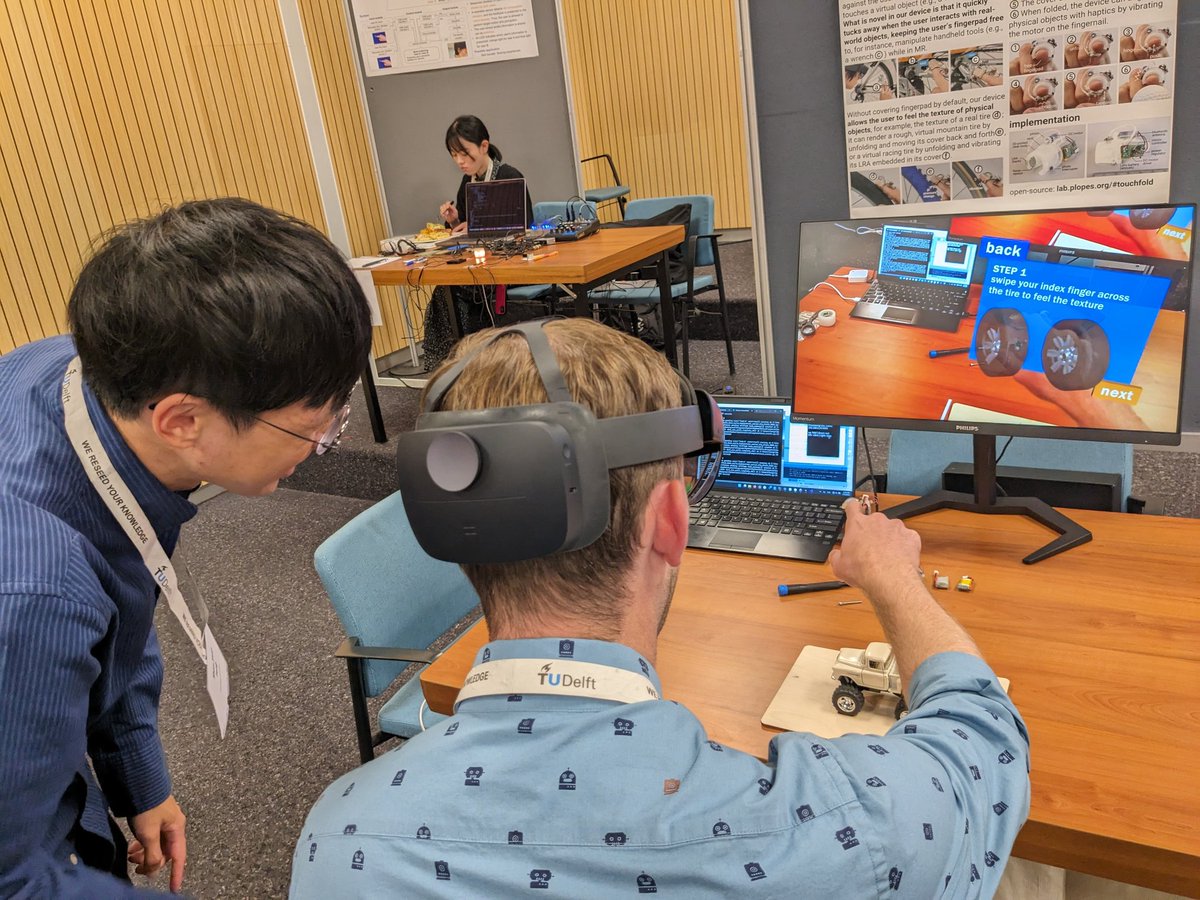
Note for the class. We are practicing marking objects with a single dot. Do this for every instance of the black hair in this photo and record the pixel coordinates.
(472, 130)
(856, 69)
(244, 306)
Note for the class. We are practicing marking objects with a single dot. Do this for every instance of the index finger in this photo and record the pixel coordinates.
(175, 849)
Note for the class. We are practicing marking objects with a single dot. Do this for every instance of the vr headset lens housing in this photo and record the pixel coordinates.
(519, 482)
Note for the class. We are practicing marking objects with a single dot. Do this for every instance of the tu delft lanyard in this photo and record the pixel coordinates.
(556, 677)
(129, 515)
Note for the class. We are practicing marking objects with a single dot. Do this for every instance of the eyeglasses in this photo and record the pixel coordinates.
(329, 438)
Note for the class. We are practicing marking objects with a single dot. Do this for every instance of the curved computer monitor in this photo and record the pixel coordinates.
(1064, 323)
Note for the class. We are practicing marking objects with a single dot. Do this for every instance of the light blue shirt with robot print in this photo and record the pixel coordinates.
(585, 797)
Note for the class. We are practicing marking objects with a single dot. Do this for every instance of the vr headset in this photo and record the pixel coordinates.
(521, 482)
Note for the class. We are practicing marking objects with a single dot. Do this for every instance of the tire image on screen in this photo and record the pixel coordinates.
(1075, 355)
(1001, 341)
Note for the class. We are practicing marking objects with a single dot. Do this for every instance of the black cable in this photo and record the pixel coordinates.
(870, 465)
(1003, 450)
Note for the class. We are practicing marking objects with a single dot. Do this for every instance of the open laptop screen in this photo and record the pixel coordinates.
(766, 451)
(496, 205)
(925, 254)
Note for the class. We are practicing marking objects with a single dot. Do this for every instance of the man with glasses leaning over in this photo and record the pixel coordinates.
(552, 463)
(217, 341)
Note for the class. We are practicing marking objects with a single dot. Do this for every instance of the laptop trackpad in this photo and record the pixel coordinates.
(899, 314)
(735, 540)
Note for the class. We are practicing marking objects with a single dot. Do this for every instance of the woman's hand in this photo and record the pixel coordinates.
(449, 213)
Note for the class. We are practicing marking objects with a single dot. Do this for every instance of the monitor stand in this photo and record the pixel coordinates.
(1071, 534)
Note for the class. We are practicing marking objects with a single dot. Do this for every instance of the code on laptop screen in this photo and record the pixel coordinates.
(765, 450)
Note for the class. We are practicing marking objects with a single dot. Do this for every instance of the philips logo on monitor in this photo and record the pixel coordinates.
(1005, 247)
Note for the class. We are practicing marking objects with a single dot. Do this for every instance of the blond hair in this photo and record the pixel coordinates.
(611, 374)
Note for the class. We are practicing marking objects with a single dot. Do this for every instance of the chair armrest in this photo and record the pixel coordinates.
(611, 166)
(714, 235)
(351, 649)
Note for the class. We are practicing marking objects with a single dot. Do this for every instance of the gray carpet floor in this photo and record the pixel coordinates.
(291, 728)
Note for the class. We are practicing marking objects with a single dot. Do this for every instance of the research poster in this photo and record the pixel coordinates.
(416, 35)
(985, 105)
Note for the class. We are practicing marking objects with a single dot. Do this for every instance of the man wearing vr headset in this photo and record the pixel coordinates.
(216, 341)
(563, 768)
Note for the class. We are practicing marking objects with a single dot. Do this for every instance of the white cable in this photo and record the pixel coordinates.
(861, 229)
(834, 289)
(421, 714)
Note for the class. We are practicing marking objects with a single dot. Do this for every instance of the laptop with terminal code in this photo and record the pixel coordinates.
(495, 209)
(781, 483)
(923, 278)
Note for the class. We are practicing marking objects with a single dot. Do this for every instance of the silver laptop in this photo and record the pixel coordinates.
(495, 209)
(781, 484)
(923, 278)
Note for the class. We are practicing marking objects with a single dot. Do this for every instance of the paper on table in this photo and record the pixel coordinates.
(804, 702)
(362, 271)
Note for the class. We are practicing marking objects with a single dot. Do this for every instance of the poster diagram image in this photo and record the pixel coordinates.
(1041, 54)
(977, 179)
(926, 183)
(458, 49)
(868, 82)
(1145, 42)
(1143, 82)
(924, 74)
(1094, 47)
(1033, 94)
(875, 187)
(1116, 148)
(1043, 155)
(976, 67)
(1092, 86)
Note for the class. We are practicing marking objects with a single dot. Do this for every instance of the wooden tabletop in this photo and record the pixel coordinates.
(597, 256)
(915, 386)
(1102, 645)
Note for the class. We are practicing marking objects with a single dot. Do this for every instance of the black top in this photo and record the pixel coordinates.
(504, 170)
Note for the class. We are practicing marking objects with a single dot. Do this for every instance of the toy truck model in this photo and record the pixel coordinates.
(858, 671)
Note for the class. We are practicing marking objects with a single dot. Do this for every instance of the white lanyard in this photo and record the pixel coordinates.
(556, 677)
(129, 515)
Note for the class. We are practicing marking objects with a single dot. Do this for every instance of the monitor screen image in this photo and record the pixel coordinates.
(1065, 323)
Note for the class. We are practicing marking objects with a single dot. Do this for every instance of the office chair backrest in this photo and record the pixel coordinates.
(568, 210)
(916, 459)
(386, 590)
(701, 222)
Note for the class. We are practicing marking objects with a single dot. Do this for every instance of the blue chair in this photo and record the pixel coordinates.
(700, 250)
(616, 191)
(916, 459)
(393, 601)
(565, 211)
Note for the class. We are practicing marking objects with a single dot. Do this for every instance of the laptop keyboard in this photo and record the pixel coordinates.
(917, 295)
(750, 512)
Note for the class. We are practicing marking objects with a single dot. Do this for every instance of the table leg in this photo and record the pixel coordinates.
(582, 306)
(666, 307)
(371, 395)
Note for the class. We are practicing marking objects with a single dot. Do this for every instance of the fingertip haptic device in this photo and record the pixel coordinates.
(519, 482)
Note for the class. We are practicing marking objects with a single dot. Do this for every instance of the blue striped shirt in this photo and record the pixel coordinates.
(586, 797)
(80, 670)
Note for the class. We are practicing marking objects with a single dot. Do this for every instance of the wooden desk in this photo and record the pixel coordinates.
(1102, 644)
(918, 387)
(581, 265)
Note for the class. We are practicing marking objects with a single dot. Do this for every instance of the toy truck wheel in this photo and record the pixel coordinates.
(847, 699)
(1075, 355)
(901, 707)
(1001, 341)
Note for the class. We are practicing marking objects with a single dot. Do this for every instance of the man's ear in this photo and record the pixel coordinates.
(177, 419)
(667, 517)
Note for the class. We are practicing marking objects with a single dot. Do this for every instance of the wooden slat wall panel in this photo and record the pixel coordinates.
(112, 109)
(657, 84)
(331, 48)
